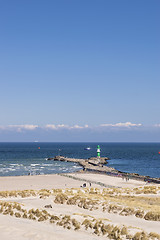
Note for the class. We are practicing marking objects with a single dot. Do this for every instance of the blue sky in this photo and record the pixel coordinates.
(79, 70)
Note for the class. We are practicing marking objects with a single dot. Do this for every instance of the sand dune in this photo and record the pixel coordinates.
(95, 198)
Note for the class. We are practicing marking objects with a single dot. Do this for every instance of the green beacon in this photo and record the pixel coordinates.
(98, 151)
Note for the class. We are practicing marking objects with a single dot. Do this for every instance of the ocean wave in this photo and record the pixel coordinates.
(12, 169)
(14, 164)
(47, 165)
(35, 164)
(76, 167)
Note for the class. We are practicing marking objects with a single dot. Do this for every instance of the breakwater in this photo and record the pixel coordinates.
(92, 164)
(99, 166)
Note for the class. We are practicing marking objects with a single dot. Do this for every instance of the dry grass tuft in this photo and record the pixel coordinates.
(37, 213)
(44, 193)
(54, 218)
(152, 216)
(140, 236)
(76, 224)
(124, 231)
(24, 215)
(31, 216)
(42, 218)
(73, 200)
(153, 236)
(139, 213)
(115, 233)
(87, 223)
(57, 191)
(18, 215)
(127, 211)
(61, 198)
(114, 208)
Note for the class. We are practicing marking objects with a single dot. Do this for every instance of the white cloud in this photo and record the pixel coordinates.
(79, 127)
(31, 127)
(23, 127)
(50, 126)
(56, 127)
(19, 128)
(76, 127)
(64, 126)
(126, 124)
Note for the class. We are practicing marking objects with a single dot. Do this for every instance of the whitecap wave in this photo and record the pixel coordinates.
(35, 164)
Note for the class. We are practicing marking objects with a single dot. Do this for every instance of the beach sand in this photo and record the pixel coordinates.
(18, 228)
(61, 181)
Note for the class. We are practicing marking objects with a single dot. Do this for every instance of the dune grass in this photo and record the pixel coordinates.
(143, 202)
(89, 223)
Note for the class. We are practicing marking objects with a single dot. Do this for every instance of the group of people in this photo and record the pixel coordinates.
(125, 178)
(85, 184)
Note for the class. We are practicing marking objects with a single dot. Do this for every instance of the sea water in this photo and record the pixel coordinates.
(30, 158)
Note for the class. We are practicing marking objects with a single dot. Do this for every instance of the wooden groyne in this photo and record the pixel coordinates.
(99, 166)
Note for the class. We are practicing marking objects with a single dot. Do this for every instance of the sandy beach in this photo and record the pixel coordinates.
(78, 206)
(62, 181)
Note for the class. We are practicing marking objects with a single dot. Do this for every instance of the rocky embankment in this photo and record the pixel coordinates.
(98, 166)
(91, 164)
